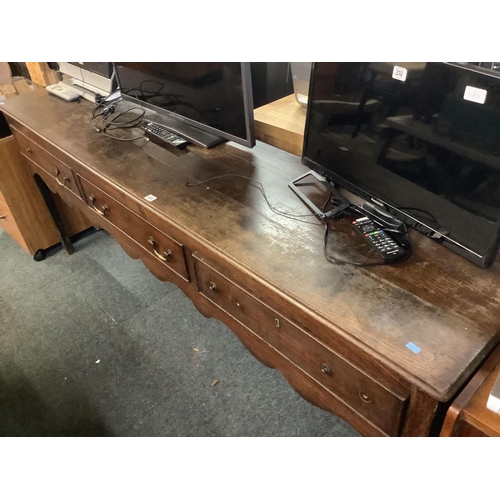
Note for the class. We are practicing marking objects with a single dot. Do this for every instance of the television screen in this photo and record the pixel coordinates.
(423, 139)
(215, 97)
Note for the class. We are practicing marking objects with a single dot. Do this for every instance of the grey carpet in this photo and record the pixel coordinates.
(93, 345)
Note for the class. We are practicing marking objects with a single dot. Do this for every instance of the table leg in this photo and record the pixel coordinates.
(420, 415)
(54, 213)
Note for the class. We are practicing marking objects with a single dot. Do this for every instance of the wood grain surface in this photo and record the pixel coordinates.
(281, 123)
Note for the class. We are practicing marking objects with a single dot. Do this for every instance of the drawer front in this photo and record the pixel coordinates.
(370, 399)
(59, 171)
(164, 248)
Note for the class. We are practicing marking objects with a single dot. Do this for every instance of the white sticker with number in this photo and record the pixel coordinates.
(475, 95)
(399, 73)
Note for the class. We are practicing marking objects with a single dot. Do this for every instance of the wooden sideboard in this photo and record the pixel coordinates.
(385, 348)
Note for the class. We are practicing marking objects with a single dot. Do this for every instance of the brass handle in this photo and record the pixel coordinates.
(212, 286)
(105, 208)
(166, 255)
(326, 369)
(28, 150)
(3, 216)
(65, 179)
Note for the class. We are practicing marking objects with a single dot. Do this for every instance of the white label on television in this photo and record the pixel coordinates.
(150, 197)
(475, 95)
(399, 73)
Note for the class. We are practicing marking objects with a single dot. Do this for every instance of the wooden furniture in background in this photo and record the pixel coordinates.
(385, 348)
(23, 212)
(5, 71)
(41, 74)
(281, 123)
(468, 415)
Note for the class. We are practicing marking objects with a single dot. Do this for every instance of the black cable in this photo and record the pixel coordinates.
(109, 122)
(260, 187)
(336, 260)
(125, 139)
(134, 122)
(108, 106)
(330, 258)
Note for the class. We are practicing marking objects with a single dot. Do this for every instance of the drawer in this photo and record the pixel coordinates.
(377, 404)
(59, 171)
(164, 248)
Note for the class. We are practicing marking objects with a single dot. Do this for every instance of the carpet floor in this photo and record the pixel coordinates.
(93, 345)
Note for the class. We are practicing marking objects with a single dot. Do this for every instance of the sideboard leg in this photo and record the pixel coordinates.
(420, 414)
(54, 213)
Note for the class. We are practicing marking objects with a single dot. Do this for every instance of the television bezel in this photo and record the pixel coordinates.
(246, 79)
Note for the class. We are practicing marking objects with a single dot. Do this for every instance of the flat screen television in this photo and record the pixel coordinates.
(206, 102)
(421, 140)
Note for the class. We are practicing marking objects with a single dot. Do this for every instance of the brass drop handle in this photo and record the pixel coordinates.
(212, 286)
(3, 216)
(326, 369)
(105, 208)
(65, 178)
(167, 255)
(28, 150)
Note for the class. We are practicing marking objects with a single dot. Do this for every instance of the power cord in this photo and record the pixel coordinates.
(330, 258)
(105, 110)
(260, 187)
(335, 260)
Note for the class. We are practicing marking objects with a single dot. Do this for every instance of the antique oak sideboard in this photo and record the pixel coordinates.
(385, 348)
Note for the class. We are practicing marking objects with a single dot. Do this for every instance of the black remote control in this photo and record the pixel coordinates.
(162, 136)
(384, 244)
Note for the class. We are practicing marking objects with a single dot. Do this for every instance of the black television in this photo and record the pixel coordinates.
(205, 102)
(420, 140)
